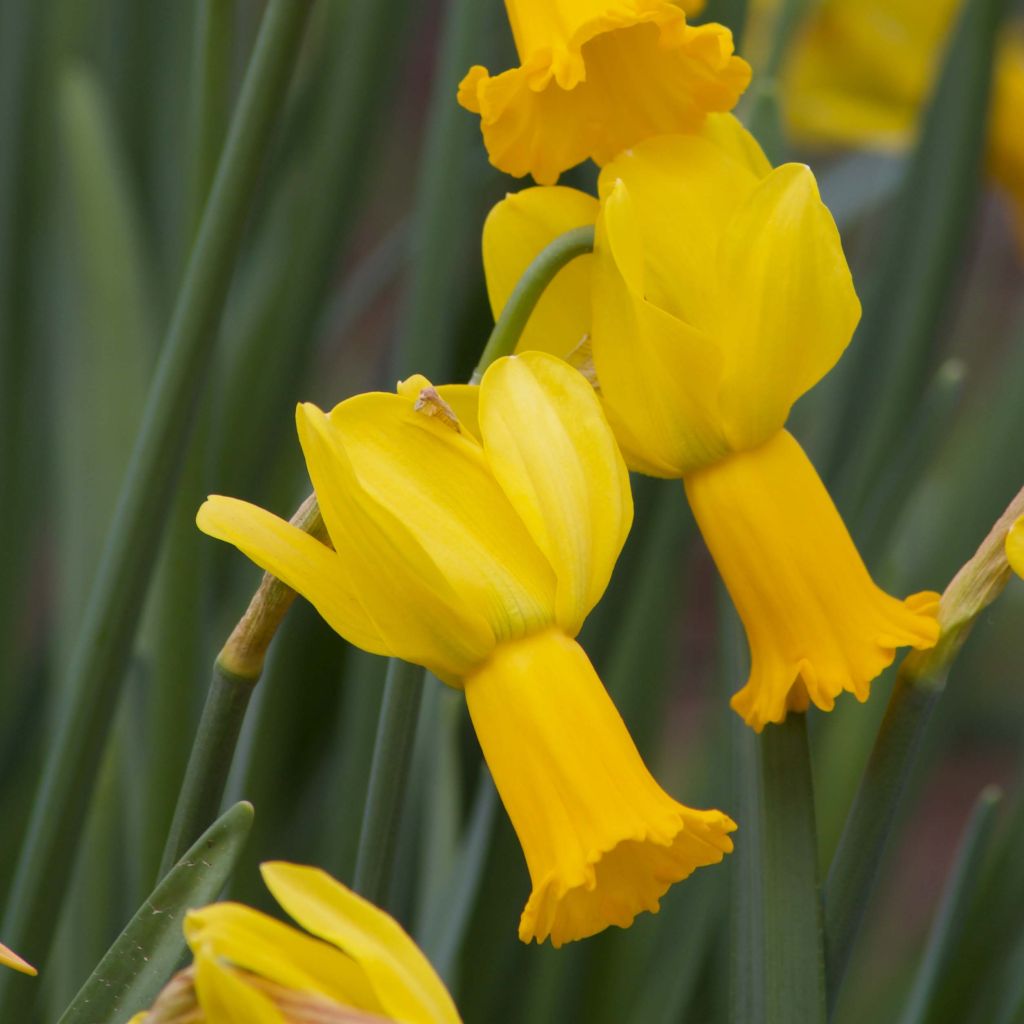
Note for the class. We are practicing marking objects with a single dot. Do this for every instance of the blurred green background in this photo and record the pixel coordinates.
(360, 264)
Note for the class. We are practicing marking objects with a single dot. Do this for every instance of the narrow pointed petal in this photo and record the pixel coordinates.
(431, 478)
(781, 252)
(413, 604)
(816, 623)
(8, 958)
(551, 449)
(297, 559)
(602, 840)
(406, 985)
(279, 953)
(516, 230)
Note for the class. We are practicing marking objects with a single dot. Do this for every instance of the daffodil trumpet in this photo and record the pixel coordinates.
(598, 76)
(717, 294)
(472, 530)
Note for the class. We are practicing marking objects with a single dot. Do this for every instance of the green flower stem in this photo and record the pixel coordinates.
(389, 772)
(236, 672)
(115, 603)
(919, 683)
(952, 914)
(527, 292)
(142, 958)
(793, 940)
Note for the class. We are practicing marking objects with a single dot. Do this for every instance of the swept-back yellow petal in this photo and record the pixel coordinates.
(227, 999)
(598, 76)
(602, 840)
(307, 566)
(658, 375)
(432, 476)
(406, 594)
(406, 985)
(8, 958)
(550, 447)
(816, 623)
(279, 953)
(683, 190)
(727, 132)
(515, 231)
(1015, 547)
(788, 306)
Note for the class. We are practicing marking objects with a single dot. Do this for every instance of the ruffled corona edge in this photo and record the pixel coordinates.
(602, 840)
(635, 71)
(816, 623)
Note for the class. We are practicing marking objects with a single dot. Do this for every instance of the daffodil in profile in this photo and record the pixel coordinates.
(473, 529)
(597, 76)
(351, 963)
(8, 958)
(717, 294)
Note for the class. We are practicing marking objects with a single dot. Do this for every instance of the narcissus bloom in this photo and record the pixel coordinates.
(8, 958)
(860, 71)
(473, 530)
(1015, 547)
(718, 293)
(596, 76)
(352, 963)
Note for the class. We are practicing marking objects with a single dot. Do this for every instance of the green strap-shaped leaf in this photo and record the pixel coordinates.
(145, 954)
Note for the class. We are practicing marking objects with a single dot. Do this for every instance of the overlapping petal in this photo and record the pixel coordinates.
(227, 999)
(794, 307)
(405, 985)
(516, 230)
(549, 447)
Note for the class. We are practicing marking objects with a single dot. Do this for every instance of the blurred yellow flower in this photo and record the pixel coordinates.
(1015, 547)
(473, 530)
(596, 76)
(718, 294)
(8, 958)
(860, 70)
(253, 969)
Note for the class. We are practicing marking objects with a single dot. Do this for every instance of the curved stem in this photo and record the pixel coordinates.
(526, 294)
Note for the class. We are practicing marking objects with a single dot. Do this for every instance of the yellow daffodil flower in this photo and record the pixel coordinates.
(473, 529)
(859, 72)
(352, 963)
(717, 294)
(596, 76)
(8, 958)
(1015, 547)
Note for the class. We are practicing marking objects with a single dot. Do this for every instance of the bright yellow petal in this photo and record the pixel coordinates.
(435, 480)
(8, 958)
(297, 559)
(727, 132)
(1006, 140)
(781, 254)
(408, 988)
(279, 953)
(551, 449)
(683, 190)
(515, 231)
(816, 623)
(598, 77)
(406, 594)
(658, 374)
(227, 999)
(1015, 547)
(602, 840)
